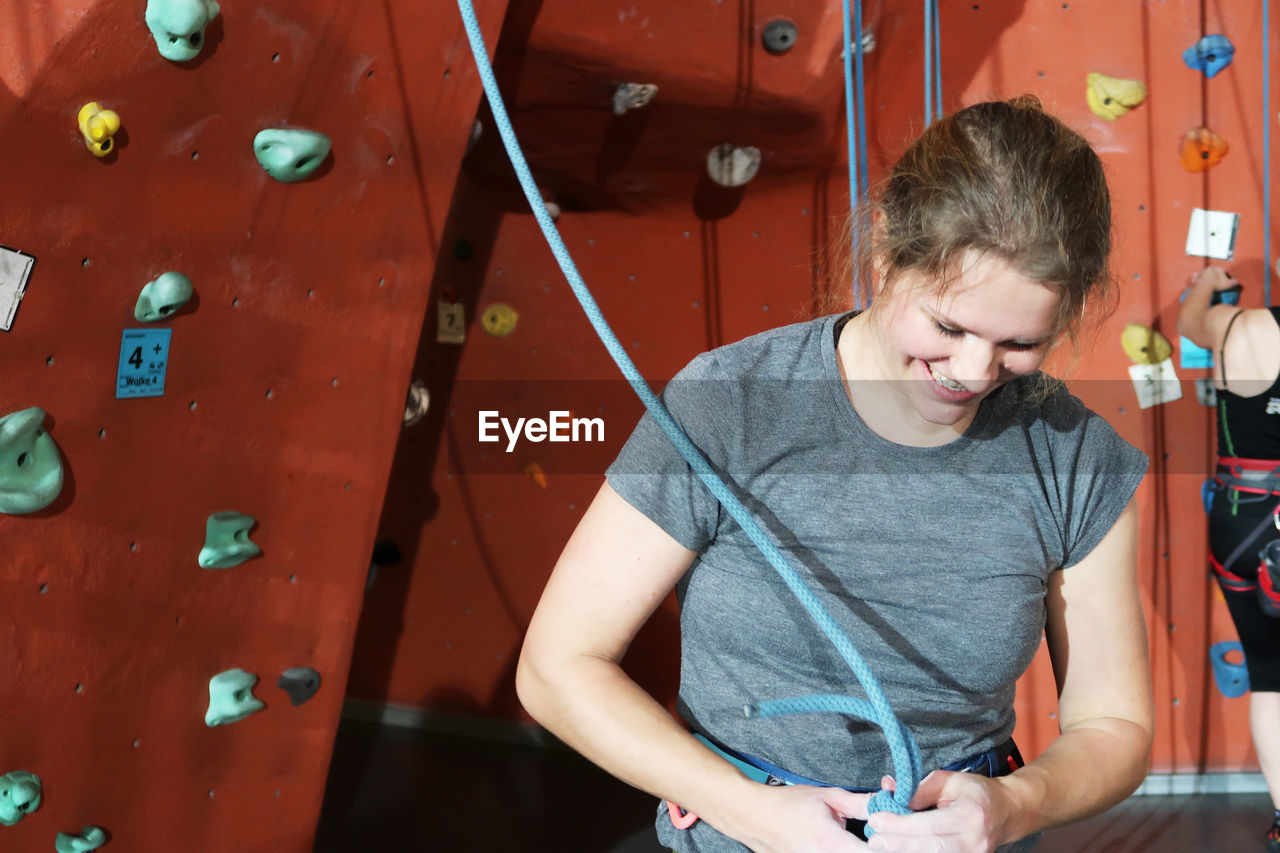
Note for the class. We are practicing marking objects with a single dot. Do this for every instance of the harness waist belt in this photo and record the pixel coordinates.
(998, 761)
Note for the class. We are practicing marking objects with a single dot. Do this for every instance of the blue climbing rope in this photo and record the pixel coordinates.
(858, 182)
(932, 63)
(1266, 152)
(876, 709)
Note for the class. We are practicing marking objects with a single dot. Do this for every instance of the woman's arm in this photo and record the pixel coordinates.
(1201, 322)
(616, 569)
(1098, 644)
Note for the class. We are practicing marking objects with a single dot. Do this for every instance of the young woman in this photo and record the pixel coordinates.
(946, 502)
(1247, 376)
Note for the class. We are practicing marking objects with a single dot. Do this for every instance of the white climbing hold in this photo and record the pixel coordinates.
(731, 165)
(632, 96)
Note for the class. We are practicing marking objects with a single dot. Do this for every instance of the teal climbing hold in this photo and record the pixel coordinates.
(290, 155)
(231, 698)
(161, 298)
(178, 26)
(90, 838)
(19, 796)
(1232, 678)
(226, 541)
(30, 465)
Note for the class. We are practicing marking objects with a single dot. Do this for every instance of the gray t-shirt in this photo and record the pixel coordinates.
(933, 560)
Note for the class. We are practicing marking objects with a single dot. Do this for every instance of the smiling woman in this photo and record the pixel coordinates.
(949, 505)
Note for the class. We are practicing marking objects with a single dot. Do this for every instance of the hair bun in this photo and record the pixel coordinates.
(1027, 102)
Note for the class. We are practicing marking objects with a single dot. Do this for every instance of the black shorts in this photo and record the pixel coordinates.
(1259, 633)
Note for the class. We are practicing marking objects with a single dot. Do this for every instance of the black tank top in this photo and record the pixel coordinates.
(1249, 427)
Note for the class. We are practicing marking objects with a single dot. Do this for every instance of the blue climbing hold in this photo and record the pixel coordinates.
(1232, 678)
(1211, 54)
(1206, 495)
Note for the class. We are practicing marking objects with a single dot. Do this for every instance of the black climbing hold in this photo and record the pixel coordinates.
(780, 36)
(462, 249)
(301, 683)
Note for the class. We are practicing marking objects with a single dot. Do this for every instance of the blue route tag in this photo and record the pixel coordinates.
(144, 355)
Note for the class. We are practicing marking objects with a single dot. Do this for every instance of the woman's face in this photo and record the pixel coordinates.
(955, 348)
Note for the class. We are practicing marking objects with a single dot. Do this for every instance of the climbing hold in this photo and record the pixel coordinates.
(226, 541)
(231, 698)
(499, 320)
(1232, 678)
(30, 465)
(476, 130)
(301, 683)
(178, 26)
(290, 155)
(1202, 149)
(780, 36)
(534, 472)
(732, 166)
(632, 96)
(98, 127)
(19, 796)
(1111, 97)
(1211, 54)
(162, 297)
(415, 407)
(90, 838)
(1144, 345)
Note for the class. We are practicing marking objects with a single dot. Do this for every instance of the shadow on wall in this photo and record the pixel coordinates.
(592, 160)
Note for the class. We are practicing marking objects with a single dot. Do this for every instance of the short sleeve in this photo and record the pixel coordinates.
(1096, 474)
(651, 475)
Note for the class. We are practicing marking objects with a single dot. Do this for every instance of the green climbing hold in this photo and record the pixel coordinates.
(226, 541)
(290, 155)
(162, 298)
(231, 698)
(90, 838)
(30, 465)
(178, 26)
(19, 796)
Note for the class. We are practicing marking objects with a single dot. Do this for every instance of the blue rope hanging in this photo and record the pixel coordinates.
(932, 63)
(1266, 152)
(858, 182)
(875, 709)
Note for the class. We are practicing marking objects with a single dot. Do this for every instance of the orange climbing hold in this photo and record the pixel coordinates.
(1202, 149)
(534, 472)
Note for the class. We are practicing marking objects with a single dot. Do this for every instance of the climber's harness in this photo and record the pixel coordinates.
(998, 761)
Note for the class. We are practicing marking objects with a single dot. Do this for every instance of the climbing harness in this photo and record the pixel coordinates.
(875, 709)
(998, 761)
(1260, 479)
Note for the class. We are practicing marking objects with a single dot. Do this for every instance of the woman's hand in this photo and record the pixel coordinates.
(1215, 277)
(803, 819)
(969, 817)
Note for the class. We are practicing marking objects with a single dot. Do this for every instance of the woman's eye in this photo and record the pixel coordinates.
(947, 330)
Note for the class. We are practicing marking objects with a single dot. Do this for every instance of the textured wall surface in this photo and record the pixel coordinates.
(284, 395)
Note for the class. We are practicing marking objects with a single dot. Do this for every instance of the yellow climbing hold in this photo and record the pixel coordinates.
(98, 126)
(1111, 97)
(1144, 345)
(499, 320)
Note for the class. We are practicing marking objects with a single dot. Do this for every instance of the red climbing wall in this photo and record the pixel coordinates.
(284, 396)
(679, 267)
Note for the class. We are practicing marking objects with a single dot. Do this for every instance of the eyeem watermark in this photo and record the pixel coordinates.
(558, 427)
